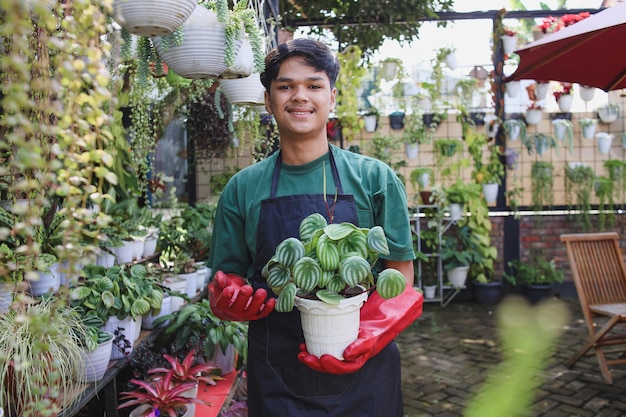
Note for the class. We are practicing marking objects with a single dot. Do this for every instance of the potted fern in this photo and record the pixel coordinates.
(328, 270)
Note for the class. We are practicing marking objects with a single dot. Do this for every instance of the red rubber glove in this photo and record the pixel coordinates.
(232, 299)
(381, 321)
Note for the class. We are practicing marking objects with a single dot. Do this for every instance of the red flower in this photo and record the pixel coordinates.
(509, 32)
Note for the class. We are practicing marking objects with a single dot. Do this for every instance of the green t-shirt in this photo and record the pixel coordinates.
(379, 195)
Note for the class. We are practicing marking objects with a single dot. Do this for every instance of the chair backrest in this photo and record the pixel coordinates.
(597, 267)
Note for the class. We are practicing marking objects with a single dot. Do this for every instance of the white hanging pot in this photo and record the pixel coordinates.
(244, 62)
(559, 130)
(604, 142)
(201, 54)
(513, 88)
(490, 191)
(534, 116)
(244, 91)
(509, 42)
(587, 93)
(369, 122)
(451, 61)
(588, 131)
(514, 131)
(152, 17)
(608, 114)
(328, 328)
(565, 102)
(412, 150)
(541, 90)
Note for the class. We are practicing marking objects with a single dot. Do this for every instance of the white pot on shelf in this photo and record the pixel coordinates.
(127, 329)
(97, 361)
(147, 321)
(456, 211)
(430, 291)
(457, 276)
(178, 285)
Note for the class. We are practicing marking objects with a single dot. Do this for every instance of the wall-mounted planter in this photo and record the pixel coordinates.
(604, 142)
(542, 90)
(608, 113)
(509, 43)
(370, 122)
(396, 120)
(587, 93)
(588, 127)
(513, 88)
(565, 102)
(534, 116)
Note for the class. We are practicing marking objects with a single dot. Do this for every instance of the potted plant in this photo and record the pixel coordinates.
(447, 54)
(158, 397)
(195, 326)
(336, 277)
(536, 276)
(421, 177)
(542, 183)
(604, 188)
(509, 41)
(579, 183)
(370, 119)
(534, 113)
(142, 18)
(456, 257)
(41, 349)
(415, 133)
(540, 143)
(515, 128)
(608, 113)
(564, 131)
(97, 345)
(588, 127)
(564, 97)
(348, 83)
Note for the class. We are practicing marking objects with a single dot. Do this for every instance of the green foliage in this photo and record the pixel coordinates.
(542, 182)
(579, 183)
(348, 82)
(493, 170)
(368, 36)
(536, 271)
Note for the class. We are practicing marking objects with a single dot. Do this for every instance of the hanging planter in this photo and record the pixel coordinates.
(244, 91)
(509, 43)
(396, 120)
(244, 62)
(605, 141)
(370, 122)
(608, 113)
(564, 131)
(514, 128)
(152, 18)
(412, 150)
(565, 102)
(451, 60)
(492, 124)
(511, 159)
(490, 192)
(587, 93)
(513, 88)
(588, 127)
(202, 51)
(534, 116)
(542, 90)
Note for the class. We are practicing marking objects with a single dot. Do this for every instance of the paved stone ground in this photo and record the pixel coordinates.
(448, 352)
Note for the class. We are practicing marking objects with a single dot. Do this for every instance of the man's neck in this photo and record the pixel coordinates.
(302, 152)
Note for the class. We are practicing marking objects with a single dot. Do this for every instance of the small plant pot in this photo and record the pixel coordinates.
(513, 88)
(370, 123)
(126, 328)
(487, 293)
(329, 329)
(565, 102)
(541, 90)
(147, 321)
(429, 120)
(490, 192)
(396, 120)
(605, 140)
(588, 131)
(430, 292)
(412, 150)
(514, 132)
(537, 293)
(456, 211)
(451, 61)
(97, 361)
(425, 196)
(587, 93)
(511, 158)
(457, 276)
(509, 43)
(534, 116)
(225, 360)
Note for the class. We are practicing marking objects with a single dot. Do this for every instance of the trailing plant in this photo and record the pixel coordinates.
(579, 182)
(348, 82)
(209, 126)
(418, 174)
(616, 171)
(568, 127)
(489, 172)
(537, 271)
(510, 124)
(539, 142)
(542, 183)
(382, 147)
(605, 191)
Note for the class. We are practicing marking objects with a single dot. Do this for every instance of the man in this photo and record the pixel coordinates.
(264, 204)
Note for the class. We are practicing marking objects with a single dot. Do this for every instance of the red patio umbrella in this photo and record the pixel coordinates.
(589, 52)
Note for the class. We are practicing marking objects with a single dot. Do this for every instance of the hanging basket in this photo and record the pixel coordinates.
(509, 43)
(534, 116)
(244, 91)
(605, 140)
(201, 54)
(587, 93)
(565, 102)
(152, 17)
(541, 90)
(244, 63)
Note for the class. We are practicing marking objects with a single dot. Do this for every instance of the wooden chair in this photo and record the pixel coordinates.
(600, 276)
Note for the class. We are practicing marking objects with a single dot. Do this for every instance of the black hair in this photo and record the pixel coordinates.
(313, 53)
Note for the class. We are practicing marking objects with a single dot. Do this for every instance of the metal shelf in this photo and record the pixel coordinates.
(444, 293)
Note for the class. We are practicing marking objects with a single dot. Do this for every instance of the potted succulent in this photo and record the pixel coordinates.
(515, 128)
(329, 267)
(540, 143)
(608, 113)
(588, 127)
(564, 131)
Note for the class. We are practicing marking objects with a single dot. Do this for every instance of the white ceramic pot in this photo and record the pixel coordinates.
(225, 360)
(124, 254)
(137, 249)
(589, 131)
(244, 91)
(48, 282)
(329, 329)
(457, 276)
(105, 258)
(541, 90)
(587, 93)
(490, 192)
(126, 328)
(559, 130)
(149, 247)
(152, 17)
(369, 122)
(6, 296)
(534, 116)
(451, 61)
(509, 43)
(178, 285)
(201, 277)
(604, 142)
(565, 102)
(514, 131)
(456, 211)
(608, 114)
(430, 291)
(147, 322)
(513, 88)
(97, 362)
(201, 54)
(412, 150)
(191, 282)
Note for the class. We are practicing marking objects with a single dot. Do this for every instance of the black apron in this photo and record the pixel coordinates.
(279, 385)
